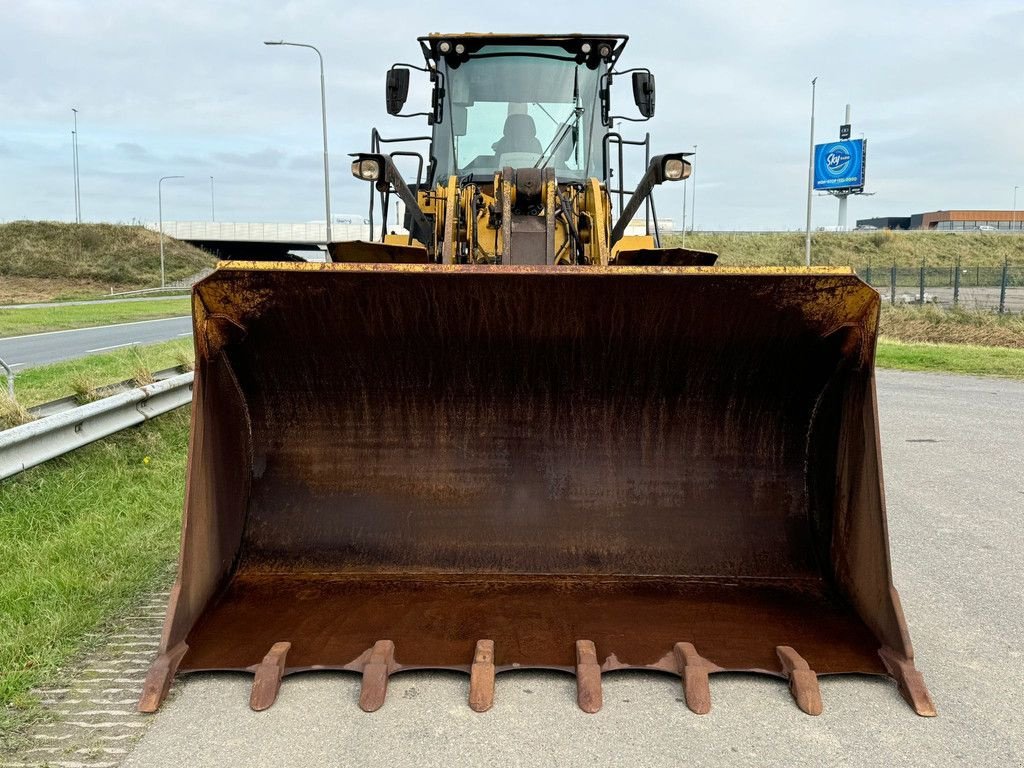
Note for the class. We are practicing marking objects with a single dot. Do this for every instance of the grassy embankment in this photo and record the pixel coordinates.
(46, 260)
(905, 249)
(81, 537)
(952, 341)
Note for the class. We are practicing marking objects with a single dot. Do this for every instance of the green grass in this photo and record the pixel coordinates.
(17, 322)
(51, 382)
(41, 260)
(882, 248)
(951, 358)
(81, 538)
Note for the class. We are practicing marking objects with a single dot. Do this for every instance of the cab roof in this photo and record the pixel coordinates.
(462, 45)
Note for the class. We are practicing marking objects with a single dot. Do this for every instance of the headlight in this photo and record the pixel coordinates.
(444, 46)
(675, 169)
(368, 170)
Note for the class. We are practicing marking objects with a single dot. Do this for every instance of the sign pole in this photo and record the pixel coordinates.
(843, 196)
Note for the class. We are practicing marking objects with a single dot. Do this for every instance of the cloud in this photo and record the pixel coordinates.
(132, 151)
(264, 158)
(189, 88)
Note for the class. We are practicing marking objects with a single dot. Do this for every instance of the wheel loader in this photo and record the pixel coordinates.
(513, 430)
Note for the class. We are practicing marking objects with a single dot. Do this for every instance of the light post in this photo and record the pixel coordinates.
(1013, 216)
(810, 179)
(160, 208)
(323, 114)
(693, 194)
(74, 149)
(213, 210)
(684, 208)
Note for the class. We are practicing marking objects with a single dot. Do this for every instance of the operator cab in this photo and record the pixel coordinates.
(519, 101)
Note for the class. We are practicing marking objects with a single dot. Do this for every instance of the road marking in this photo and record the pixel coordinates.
(97, 327)
(184, 334)
(114, 346)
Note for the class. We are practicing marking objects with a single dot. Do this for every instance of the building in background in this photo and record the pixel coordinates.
(951, 220)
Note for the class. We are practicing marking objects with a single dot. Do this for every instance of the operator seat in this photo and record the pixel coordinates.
(518, 135)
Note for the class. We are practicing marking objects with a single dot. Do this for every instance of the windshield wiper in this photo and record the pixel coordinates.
(564, 127)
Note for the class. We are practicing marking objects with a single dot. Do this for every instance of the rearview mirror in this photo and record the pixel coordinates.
(643, 93)
(397, 90)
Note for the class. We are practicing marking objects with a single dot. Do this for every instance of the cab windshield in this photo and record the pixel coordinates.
(520, 108)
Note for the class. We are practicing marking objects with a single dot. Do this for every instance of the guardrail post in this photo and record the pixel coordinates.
(956, 283)
(922, 286)
(892, 285)
(10, 378)
(1002, 287)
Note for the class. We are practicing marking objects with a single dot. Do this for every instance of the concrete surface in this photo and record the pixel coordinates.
(953, 451)
(35, 349)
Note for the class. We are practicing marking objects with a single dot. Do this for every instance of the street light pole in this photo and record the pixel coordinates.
(810, 179)
(213, 210)
(1013, 216)
(160, 208)
(684, 209)
(693, 194)
(74, 173)
(323, 115)
(74, 147)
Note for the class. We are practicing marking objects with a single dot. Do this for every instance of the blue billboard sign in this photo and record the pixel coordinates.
(839, 165)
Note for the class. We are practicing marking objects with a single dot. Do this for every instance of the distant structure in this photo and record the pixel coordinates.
(950, 220)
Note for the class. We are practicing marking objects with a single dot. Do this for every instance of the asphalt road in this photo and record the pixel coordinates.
(35, 349)
(954, 455)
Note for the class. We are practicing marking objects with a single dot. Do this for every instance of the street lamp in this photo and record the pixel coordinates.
(323, 114)
(693, 194)
(160, 207)
(74, 149)
(684, 206)
(810, 178)
(213, 210)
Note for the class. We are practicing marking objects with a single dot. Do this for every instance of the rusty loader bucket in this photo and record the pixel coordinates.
(397, 467)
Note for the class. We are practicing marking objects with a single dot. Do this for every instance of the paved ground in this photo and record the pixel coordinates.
(954, 450)
(37, 348)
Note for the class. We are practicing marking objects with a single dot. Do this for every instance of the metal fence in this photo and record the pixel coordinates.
(999, 288)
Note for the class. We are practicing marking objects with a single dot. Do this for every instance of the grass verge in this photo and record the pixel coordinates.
(18, 322)
(967, 359)
(882, 248)
(81, 537)
(75, 377)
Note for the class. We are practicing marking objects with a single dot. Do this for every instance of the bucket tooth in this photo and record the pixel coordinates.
(481, 678)
(588, 677)
(375, 676)
(694, 668)
(910, 682)
(803, 682)
(268, 677)
(158, 679)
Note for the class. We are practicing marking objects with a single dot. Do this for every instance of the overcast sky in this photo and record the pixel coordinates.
(187, 88)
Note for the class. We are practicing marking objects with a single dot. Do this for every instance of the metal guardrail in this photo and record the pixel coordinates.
(38, 441)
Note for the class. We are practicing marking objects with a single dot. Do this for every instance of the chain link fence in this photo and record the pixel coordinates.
(999, 288)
